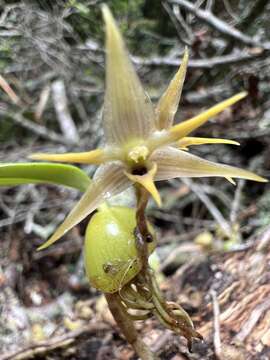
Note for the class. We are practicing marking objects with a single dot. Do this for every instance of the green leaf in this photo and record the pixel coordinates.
(36, 173)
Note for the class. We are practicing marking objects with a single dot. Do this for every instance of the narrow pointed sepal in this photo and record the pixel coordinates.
(109, 180)
(168, 103)
(184, 128)
(231, 180)
(96, 156)
(173, 163)
(147, 181)
(190, 141)
(128, 112)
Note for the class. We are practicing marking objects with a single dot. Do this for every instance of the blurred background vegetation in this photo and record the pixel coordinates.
(51, 95)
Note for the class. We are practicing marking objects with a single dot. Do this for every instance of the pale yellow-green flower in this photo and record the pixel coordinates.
(142, 146)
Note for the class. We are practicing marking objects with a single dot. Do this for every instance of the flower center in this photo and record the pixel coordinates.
(138, 154)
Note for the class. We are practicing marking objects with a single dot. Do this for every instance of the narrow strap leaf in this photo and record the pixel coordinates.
(35, 173)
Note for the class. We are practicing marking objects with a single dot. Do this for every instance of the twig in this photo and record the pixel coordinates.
(264, 242)
(9, 91)
(210, 93)
(247, 327)
(236, 201)
(185, 248)
(183, 23)
(219, 25)
(209, 5)
(39, 130)
(162, 340)
(229, 10)
(216, 313)
(34, 208)
(43, 100)
(233, 58)
(65, 120)
(44, 347)
(178, 276)
(210, 206)
(255, 10)
(175, 23)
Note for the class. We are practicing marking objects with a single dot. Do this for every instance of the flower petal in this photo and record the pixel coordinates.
(168, 103)
(174, 163)
(190, 141)
(109, 180)
(96, 156)
(147, 181)
(186, 127)
(161, 138)
(128, 112)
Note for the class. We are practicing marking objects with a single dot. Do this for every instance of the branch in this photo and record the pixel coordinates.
(251, 322)
(234, 58)
(9, 91)
(217, 339)
(255, 10)
(39, 130)
(44, 347)
(63, 115)
(214, 211)
(218, 24)
(175, 23)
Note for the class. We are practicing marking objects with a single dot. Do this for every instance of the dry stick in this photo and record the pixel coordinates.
(175, 23)
(39, 130)
(127, 327)
(186, 27)
(230, 11)
(219, 25)
(43, 347)
(264, 242)
(240, 56)
(63, 115)
(255, 316)
(9, 91)
(214, 211)
(254, 12)
(217, 340)
(236, 201)
(43, 100)
(230, 59)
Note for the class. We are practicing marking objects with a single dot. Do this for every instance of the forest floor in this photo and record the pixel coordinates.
(227, 295)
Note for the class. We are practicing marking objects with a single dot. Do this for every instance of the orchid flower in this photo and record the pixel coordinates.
(142, 145)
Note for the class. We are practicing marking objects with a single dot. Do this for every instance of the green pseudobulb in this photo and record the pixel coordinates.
(110, 254)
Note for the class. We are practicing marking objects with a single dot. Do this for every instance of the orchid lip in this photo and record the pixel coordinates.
(142, 170)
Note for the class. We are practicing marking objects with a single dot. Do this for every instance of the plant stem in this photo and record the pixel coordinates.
(127, 327)
(141, 231)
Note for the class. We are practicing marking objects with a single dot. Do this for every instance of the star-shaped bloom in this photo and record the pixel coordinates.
(142, 145)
